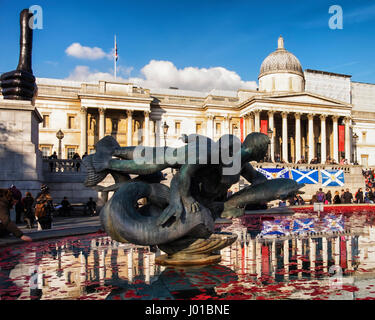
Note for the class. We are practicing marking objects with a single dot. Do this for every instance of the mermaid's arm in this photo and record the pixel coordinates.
(134, 167)
(251, 175)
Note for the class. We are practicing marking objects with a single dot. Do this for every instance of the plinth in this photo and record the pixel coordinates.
(188, 252)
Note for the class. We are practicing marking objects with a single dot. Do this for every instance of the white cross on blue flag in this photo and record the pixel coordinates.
(332, 178)
(274, 173)
(305, 176)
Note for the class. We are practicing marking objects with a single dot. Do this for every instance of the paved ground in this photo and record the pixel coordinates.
(61, 227)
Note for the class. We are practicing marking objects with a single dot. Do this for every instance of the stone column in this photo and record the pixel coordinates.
(298, 136)
(311, 142)
(146, 131)
(83, 146)
(347, 139)
(210, 126)
(158, 133)
(285, 136)
(256, 121)
(245, 126)
(272, 127)
(101, 123)
(335, 139)
(323, 139)
(251, 123)
(130, 128)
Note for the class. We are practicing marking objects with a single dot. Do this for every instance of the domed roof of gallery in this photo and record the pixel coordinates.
(280, 61)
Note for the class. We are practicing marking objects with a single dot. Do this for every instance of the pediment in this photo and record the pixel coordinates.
(306, 98)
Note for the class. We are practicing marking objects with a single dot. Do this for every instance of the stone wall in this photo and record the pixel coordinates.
(20, 157)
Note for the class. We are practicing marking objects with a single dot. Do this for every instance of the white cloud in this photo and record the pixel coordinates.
(78, 51)
(83, 73)
(164, 74)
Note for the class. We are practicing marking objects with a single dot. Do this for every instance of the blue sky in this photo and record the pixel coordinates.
(233, 35)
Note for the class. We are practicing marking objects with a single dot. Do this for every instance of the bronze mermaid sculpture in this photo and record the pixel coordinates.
(197, 194)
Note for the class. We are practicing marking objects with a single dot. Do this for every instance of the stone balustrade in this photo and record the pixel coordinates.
(348, 169)
(63, 170)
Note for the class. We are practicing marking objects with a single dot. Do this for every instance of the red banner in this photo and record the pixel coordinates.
(241, 127)
(264, 126)
(341, 138)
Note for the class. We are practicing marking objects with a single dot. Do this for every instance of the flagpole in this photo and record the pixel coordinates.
(114, 57)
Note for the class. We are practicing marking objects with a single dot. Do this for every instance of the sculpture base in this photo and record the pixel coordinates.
(199, 252)
(166, 260)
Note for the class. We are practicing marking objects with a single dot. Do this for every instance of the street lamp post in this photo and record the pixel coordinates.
(165, 130)
(60, 136)
(355, 137)
(269, 134)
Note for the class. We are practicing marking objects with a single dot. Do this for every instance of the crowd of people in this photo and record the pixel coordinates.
(303, 160)
(369, 175)
(35, 212)
(343, 197)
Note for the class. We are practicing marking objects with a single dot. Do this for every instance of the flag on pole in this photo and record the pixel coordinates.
(332, 178)
(305, 176)
(116, 55)
(274, 173)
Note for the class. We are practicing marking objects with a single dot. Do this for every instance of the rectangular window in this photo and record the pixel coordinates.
(70, 152)
(71, 122)
(46, 151)
(177, 127)
(45, 121)
(218, 128)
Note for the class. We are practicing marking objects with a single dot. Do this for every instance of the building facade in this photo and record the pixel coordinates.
(312, 114)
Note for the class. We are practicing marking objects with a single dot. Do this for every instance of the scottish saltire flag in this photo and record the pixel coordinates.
(332, 178)
(333, 223)
(303, 225)
(275, 228)
(274, 173)
(305, 176)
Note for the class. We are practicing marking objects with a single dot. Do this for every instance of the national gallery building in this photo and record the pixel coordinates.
(308, 114)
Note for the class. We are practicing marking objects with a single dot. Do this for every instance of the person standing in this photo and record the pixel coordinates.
(342, 195)
(27, 203)
(91, 207)
(348, 197)
(337, 198)
(7, 200)
(329, 197)
(18, 206)
(44, 208)
(359, 196)
(66, 207)
(320, 196)
(77, 162)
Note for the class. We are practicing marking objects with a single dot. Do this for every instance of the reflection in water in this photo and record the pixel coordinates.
(316, 262)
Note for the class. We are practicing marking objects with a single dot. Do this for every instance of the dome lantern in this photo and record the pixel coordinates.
(281, 71)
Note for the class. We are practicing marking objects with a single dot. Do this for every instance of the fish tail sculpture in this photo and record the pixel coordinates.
(123, 221)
